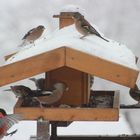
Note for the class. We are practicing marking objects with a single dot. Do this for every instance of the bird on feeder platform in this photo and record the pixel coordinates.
(29, 96)
(135, 93)
(84, 27)
(57, 93)
(40, 83)
(7, 121)
(40, 97)
(21, 91)
(32, 35)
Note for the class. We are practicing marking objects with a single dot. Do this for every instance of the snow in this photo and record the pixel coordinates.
(92, 44)
(97, 128)
(73, 8)
(76, 128)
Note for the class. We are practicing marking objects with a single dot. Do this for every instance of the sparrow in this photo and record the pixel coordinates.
(40, 83)
(32, 35)
(29, 96)
(84, 27)
(7, 121)
(21, 91)
(39, 97)
(135, 93)
(57, 93)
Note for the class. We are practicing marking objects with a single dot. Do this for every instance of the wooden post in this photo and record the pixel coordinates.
(43, 130)
(77, 81)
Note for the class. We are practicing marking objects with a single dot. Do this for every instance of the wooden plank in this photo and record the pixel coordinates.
(102, 68)
(116, 102)
(69, 114)
(77, 82)
(65, 19)
(32, 66)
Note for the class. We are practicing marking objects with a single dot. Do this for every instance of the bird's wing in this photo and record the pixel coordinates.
(2, 122)
(11, 119)
(28, 33)
(91, 29)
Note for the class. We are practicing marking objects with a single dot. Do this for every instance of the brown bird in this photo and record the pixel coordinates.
(40, 96)
(30, 97)
(57, 93)
(32, 35)
(84, 27)
(21, 91)
(40, 83)
(135, 93)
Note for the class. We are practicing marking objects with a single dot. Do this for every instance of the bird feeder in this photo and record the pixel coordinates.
(64, 65)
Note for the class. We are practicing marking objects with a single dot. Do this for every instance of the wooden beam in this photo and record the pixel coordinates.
(69, 114)
(102, 68)
(32, 66)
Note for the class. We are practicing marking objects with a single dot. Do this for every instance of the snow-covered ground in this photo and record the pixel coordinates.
(119, 22)
(76, 128)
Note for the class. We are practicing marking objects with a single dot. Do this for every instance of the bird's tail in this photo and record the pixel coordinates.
(104, 39)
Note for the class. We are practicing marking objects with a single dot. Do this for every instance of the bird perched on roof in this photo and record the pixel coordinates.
(40, 83)
(135, 93)
(57, 93)
(84, 27)
(32, 35)
(7, 121)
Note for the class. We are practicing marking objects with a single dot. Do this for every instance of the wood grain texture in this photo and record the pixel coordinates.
(101, 68)
(32, 66)
(69, 114)
(76, 81)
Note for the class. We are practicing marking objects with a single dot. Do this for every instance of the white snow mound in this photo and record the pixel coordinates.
(92, 44)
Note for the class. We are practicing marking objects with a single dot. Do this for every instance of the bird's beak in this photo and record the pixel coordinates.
(7, 90)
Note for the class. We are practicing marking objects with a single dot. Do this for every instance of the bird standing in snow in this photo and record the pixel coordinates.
(7, 121)
(32, 35)
(40, 83)
(84, 27)
(135, 93)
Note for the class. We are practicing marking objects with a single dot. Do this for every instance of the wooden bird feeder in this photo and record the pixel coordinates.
(64, 65)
